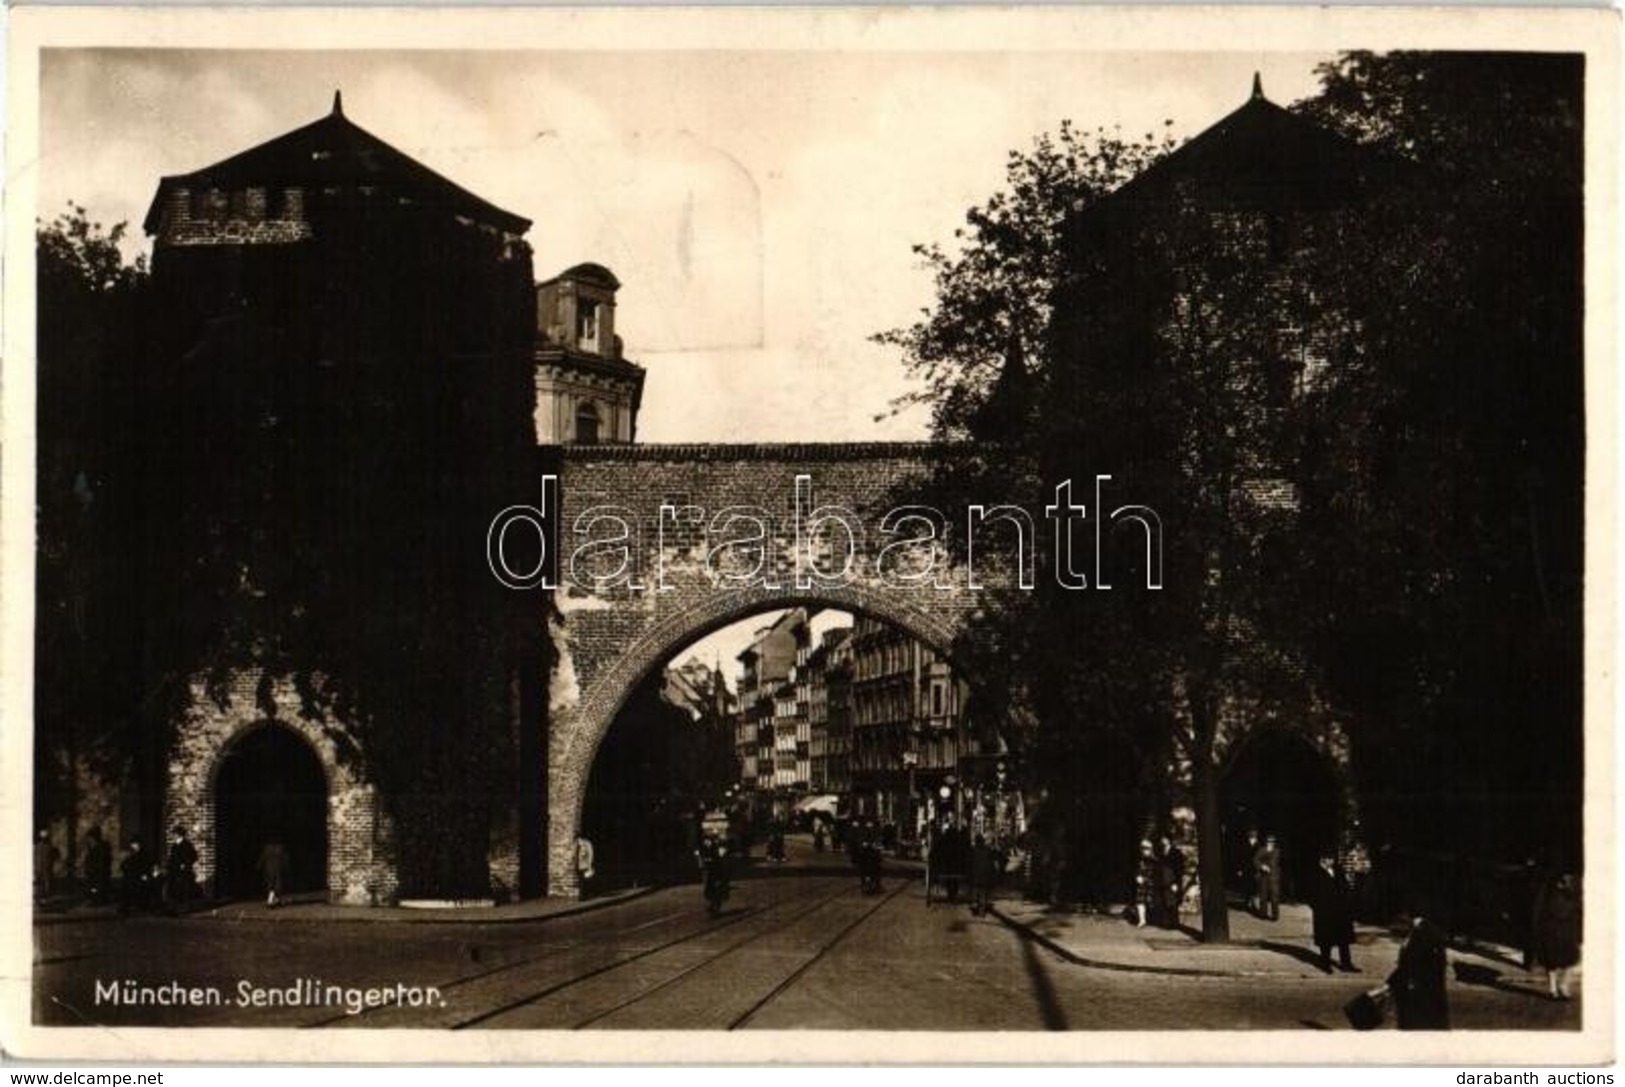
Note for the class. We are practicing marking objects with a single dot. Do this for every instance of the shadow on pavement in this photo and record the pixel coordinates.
(1494, 954)
(1049, 1006)
(1471, 973)
(1304, 955)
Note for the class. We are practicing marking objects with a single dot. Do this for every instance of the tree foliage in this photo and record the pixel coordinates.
(994, 284)
(1359, 418)
(1444, 488)
(90, 300)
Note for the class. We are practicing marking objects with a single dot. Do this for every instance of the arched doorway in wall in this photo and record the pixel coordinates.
(269, 786)
(1277, 783)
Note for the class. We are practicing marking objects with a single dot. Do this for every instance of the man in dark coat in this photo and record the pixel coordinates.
(44, 865)
(135, 879)
(181, 869)
(98, 867)
(1246, 875)
(1170, 879)
(1267, 874)
(273, 866)
(983, 870)
(1417, 983)
(949, 862)
(1333, 905)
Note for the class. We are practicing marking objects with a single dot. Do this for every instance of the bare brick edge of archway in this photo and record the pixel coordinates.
(581, 718)
(359, 837)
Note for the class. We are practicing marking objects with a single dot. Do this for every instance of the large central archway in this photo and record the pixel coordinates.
(579, 730)
(609, 635)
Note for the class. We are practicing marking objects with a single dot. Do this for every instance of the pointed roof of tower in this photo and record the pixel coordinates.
(1259, 154)
(334, 151)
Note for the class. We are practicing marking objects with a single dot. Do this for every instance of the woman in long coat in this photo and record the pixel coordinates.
(1417, 983)
(1557, 934)
(1147, 874)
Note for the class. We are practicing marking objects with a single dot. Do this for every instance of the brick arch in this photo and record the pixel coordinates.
(334, 777)
(1326, 739)
(357, 835)
(578, 740)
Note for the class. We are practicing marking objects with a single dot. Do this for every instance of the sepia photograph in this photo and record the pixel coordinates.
(903, 534)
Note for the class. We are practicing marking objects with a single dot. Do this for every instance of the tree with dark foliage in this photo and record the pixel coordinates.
(90, 298)
(1341, 359)
(1444, 482)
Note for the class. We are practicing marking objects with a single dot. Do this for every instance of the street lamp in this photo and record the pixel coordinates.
(911, 759)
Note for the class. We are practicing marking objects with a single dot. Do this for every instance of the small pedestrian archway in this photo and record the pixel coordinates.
(1279, 782)
(270, 786)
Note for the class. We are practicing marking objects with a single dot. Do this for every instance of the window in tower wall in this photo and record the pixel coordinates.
(587, 422)
(587, 323)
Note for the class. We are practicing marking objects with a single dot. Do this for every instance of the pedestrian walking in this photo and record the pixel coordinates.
(585, 859)
(948, 857)
(1171, 876)
(1246, 873)
(273, 866)
(1145, 883)
(45, 857)
(1531, 886)
(1267, 874)
(1557, 934)
(869, 860)
(1332, 902)
(1417, 983)
(98, 867)
(714, 876)
(983, 871)
(181, 870)
(135, 879)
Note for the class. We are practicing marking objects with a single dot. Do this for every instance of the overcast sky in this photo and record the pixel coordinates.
(759, 207)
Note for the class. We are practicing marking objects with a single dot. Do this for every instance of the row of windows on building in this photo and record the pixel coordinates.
(852, 713)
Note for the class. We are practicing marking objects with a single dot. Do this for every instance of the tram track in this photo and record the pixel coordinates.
(731, 949)
(774, 917)
(549, 950)
(665, 983)
(816, 957)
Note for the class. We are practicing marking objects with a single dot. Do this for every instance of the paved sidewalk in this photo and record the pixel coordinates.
(1257, 948)
(307, 908)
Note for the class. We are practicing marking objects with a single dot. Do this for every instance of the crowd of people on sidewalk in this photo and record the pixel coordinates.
(147, 881)
(1454, 902)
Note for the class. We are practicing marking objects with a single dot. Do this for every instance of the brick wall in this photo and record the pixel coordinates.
(251, 216)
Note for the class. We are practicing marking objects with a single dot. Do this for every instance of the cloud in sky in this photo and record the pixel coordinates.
(758, 206)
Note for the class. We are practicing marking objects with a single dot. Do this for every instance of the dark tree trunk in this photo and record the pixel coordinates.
(1209, 833)
(1210, 854)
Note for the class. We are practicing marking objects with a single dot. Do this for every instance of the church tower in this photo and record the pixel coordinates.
(586, 391)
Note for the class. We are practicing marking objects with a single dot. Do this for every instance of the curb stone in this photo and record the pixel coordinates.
(1030, 933)
(396, 915)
